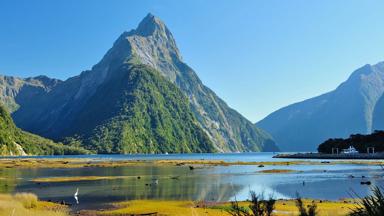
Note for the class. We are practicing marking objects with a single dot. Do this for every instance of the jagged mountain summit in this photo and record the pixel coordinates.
(347, 110)
(141, 97)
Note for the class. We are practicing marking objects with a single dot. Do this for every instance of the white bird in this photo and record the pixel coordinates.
(77, 192)
(75, 195)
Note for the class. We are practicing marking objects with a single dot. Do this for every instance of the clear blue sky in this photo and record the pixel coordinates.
(257, 55)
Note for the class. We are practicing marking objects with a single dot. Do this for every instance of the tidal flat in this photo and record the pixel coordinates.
(81, 163)
(199, 183)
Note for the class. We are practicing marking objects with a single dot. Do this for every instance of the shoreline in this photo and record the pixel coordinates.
(174, 207)
(7, 163)
(359, 156)
(29, 204)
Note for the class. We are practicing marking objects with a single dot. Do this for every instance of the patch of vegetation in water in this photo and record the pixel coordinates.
(80, 163)
(79, 178)
(271, 171)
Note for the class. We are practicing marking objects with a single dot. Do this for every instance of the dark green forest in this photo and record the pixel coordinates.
(139, 111)
(12, 138)
(358, 141)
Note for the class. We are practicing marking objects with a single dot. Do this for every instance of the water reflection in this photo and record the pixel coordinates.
(219, 183)
(176, 183)
(8, 180)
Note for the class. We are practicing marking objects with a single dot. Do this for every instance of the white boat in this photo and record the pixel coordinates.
(350, 150)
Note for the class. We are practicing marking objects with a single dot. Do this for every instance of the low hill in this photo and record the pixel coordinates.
(358, 141)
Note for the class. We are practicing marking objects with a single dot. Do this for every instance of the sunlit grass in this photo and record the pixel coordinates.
(176, 208)
(28, 200)
(79, 163)
(27, 204)
(79, 178)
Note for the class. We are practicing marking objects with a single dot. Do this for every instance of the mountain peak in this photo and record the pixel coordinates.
(154, 45)
(151, 43)
(150, 25)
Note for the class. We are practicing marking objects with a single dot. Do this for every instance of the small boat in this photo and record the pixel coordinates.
(350, 150)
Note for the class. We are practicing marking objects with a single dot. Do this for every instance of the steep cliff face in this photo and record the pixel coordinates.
(56, 113)
(138, 111)
(346, 110)
(153, 44)
(378, 115)
(15, 91)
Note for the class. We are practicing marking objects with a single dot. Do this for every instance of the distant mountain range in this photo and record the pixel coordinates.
(15, 142)
(140, 98)
(356, 106)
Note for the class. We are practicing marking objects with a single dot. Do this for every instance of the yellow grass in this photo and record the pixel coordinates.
(326, 208)
(28, 200)
(179, 208)
(78, 178)
(62, 163)
(159, 207)
(278, 171)
(79, 163)
(27, 204)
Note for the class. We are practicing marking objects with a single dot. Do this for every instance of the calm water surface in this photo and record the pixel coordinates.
(214, 183)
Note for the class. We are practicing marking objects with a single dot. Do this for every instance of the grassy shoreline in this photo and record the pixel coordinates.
(28, 204)
(22, 204)
(176, 208)
(81, 163)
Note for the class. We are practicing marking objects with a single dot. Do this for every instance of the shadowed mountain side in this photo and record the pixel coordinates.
(14, 141)
(138, 111)
(378, 115)
(346, 110)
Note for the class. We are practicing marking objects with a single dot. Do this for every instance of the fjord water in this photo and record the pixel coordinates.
(209, 183)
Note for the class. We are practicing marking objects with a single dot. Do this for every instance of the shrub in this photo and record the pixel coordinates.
(28, 200)
(237, 210)
(258, 206)
(310, 210)
(372, 205)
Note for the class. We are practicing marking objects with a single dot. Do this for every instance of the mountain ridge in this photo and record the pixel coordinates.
(54, 114)
(346, 110)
